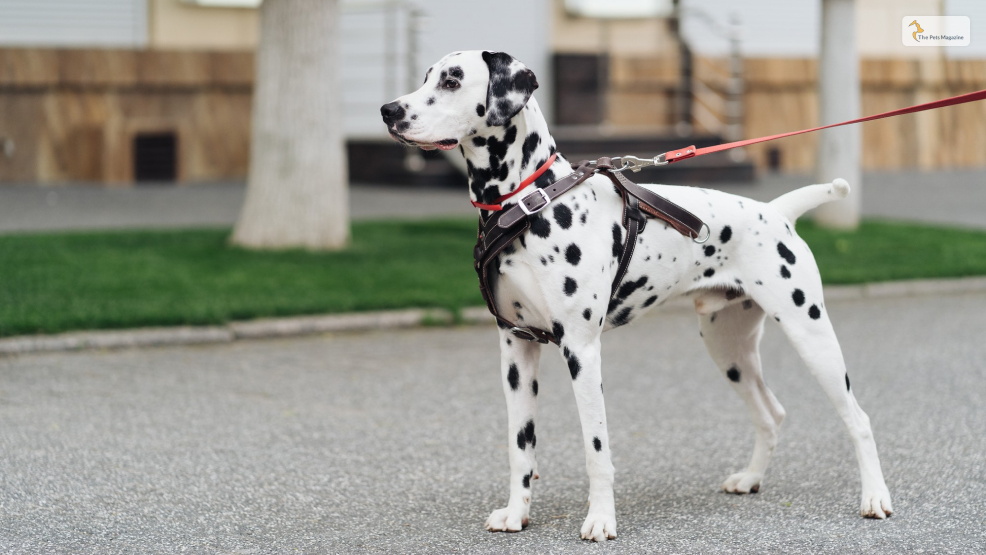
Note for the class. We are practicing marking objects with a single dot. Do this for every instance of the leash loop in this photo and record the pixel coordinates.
(708, 233)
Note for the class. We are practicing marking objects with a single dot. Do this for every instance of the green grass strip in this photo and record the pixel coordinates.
(56, 282)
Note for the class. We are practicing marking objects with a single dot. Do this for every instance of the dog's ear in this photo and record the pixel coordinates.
(511, 86)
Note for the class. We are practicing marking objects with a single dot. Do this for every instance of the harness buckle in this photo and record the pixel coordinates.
(526, 334)
(529, 212)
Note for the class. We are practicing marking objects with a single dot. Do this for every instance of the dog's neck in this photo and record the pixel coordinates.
(499, 158)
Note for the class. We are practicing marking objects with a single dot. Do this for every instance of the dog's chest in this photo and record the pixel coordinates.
(563, 267)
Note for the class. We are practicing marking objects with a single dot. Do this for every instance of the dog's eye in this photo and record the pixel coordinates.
(450, 84)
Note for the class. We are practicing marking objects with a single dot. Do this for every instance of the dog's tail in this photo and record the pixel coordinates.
(792, 205)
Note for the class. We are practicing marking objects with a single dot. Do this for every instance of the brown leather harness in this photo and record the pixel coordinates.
(503, 228)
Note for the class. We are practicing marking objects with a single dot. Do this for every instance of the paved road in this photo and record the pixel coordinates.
(395, 443)
(954, 197)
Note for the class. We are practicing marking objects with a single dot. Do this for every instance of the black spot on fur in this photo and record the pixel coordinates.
(479, 141)
(583, 216)
(596, 444)
(814, 313)
(726, 235)
(527, 480)
(563, 215)
(847, 382)
(570, 286)
(530, 143)
(456, 71)
(709, 273)
(733, 374)
(747, 304)
(785, 253)
(480, 110)
(587, 313)
(798, 297)
(622, 317)
(628, 287)
(540, 226)
(557, 330)
(617, 240)
(785, 273)
(526, 435)
(513, 377)
(710, 250)
(574, 366)
(650, 301)
(573, 254)
(430, 101)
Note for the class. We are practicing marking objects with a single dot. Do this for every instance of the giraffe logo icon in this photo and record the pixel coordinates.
(919, 29)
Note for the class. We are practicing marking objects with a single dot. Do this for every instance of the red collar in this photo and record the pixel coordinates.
(544, 167)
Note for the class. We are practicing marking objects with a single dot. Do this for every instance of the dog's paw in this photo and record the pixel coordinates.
(743, 482)
(599, 527)
(506, 520)
(876, 504)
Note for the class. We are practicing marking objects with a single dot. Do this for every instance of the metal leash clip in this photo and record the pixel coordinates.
(635, 164)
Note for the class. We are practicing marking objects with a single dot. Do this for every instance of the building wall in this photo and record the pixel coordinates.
(73, 114)
(174, 24)
(73, 23)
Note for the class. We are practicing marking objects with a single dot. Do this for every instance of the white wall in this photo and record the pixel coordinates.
(518, 27)
(73, 23)
(791, 28)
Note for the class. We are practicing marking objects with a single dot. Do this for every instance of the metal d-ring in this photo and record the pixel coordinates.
(707, 234)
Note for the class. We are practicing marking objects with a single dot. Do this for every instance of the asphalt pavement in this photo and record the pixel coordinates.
(395, 442)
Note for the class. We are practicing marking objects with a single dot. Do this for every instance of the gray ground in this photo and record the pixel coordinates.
(396, 443)
(953, 197)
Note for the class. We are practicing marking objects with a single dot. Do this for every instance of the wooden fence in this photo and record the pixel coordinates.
(73, 115)
(780, 95)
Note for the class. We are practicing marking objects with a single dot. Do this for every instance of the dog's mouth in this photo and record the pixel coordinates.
(444, 144)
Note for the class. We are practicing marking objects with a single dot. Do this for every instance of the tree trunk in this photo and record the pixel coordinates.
(297, 191)
(838, 100)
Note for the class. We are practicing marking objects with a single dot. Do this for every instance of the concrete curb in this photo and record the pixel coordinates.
(362, 321)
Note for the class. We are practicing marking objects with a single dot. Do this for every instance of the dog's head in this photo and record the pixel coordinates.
(464, 93)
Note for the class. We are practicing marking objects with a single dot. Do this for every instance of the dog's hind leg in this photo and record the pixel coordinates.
(732, 337)
(519, 361)
(795, 300)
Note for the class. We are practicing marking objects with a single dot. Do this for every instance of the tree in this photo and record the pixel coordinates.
(297, 192)
(838, 100)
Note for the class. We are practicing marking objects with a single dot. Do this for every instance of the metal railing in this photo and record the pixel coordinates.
(713, 96)
(380, 45)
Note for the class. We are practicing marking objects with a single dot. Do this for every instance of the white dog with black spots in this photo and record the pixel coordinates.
(558, 277)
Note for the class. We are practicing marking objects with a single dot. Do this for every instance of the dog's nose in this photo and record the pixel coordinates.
(392, 112)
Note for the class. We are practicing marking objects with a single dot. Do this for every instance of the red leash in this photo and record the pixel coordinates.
(531, 179)
(691, 151)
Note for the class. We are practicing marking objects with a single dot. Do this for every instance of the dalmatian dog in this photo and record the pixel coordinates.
(558, 276)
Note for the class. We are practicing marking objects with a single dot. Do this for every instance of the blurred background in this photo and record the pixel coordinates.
(204, 117)
(125, 92)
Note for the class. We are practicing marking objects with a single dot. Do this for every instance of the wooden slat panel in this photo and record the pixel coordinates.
(21, 67)
(97, 67)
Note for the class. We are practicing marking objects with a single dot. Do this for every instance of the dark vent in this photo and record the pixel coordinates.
(155, 157)
(774, 159)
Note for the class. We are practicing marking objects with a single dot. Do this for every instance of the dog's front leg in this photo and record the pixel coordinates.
(585, 365)
(519, 361)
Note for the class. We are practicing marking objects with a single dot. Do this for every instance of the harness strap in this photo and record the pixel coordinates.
(500, 230)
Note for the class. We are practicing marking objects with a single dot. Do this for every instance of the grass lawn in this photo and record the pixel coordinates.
(56, 282)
